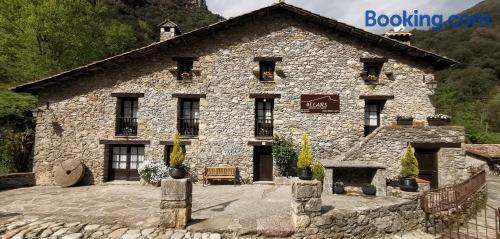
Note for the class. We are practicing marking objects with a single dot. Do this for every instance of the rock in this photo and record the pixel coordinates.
(205, 235)
(97, 234)
(60, 232)
(47, 232)
(118, 233)
(178, 235)
(197, 236)
(69, 173)
(147, 231)
(168, 234)
(92, 227)
(214, 236)
(73, 236)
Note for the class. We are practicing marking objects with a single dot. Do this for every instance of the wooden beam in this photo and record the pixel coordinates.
(127, 94)
(264, 96)
(168, 142)
(189, 96)
(124, 141)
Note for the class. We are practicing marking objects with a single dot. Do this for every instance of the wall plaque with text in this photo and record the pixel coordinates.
(319, 103)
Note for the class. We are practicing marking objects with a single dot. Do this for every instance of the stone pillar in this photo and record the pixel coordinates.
(328, 181)
(175, 205)
(306, 202)
(379, 181)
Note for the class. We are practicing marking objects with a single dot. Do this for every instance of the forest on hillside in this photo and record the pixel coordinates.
(42, 38)
(470, 91)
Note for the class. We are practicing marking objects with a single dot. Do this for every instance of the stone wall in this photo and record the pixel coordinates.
(16, 180)
(80, 112)
(388, 144)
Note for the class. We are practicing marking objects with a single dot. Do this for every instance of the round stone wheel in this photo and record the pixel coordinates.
(69, 173)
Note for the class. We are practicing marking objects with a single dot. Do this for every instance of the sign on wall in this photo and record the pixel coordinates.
(319, 103)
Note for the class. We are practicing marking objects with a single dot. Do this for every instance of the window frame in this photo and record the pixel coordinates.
(264, 102)
(121, 118)
(183, 64)
(195, 118)
(373, 65)
(263, 65)
(368, 129)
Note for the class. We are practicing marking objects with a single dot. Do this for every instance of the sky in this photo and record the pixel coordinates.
(351, 12)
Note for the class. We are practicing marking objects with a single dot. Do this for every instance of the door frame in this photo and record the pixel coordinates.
(435, 171)
(111, 170)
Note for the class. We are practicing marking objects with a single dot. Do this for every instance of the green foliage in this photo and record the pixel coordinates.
(283, 154)
(305, 156)
(470, 91)
(177, 155)
(409, 163)
(318, 170)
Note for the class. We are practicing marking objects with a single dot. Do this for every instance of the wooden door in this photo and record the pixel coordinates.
(124, 162)
(262, 163)
(427, 165)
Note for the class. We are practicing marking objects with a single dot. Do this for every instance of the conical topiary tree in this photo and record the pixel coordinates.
(177, 155)
(305, 156)
(409, 163)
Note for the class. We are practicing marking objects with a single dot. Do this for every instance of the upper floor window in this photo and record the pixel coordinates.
(185, 70)
(188, 117)
(264, 117)
(266, 70)
(372, 116)
(127, 116)
(372, 70)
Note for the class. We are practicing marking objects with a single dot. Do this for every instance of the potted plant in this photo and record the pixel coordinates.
(438, 119)
(305, 160)
(284, 154)
(186, 76)
(176, 159)
(404, 120)
(152, 171)
(318, 170)
(338, 188)
(268, 75)
(372, 78)
(369, 189)
(409, 171)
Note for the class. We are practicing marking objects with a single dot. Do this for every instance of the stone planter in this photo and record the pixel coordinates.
(438, 122)
(178, 173)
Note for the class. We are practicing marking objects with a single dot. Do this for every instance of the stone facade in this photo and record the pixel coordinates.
(80, 113)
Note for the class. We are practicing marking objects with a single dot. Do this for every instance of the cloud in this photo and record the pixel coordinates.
(350, 12)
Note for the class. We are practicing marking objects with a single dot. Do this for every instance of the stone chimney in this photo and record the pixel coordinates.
(399, 35)
(168, 30)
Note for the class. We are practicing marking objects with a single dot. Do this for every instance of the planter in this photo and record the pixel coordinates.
(438, 122)
(339, 189)
(178, 173)
(305, 173)
(369, 189)
(408, 184)
(404, 121)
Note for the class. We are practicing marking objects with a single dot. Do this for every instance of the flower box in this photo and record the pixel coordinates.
(438, 120)
(403, 120)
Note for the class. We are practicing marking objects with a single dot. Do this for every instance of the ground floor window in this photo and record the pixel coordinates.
(125, 159)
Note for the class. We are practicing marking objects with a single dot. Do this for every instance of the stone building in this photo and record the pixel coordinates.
(227, 88)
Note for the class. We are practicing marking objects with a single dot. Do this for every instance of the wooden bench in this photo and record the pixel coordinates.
(221, 173)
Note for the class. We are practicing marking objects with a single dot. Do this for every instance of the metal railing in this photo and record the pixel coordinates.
(449, 197)
(127, 126)
(263, 128)
(497, 222)
(188, 127)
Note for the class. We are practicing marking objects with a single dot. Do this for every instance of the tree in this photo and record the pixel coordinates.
(283, 154)
(177, 155)
(305, 156)
(409, 163)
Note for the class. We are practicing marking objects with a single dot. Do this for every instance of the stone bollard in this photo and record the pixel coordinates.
(306, 202)
(175, 205)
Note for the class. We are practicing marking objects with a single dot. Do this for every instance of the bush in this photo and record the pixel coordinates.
(283, 154)
(152, 171)
(305, 156)
(177, 155)
(409, 163)
(318, 170)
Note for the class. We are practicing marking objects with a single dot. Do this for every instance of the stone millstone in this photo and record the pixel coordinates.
(69, 173)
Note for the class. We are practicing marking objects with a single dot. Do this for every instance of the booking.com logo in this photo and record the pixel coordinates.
(436, 22)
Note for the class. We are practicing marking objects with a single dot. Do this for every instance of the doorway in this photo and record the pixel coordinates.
(427, 165)
(262, 163)
(124, 162)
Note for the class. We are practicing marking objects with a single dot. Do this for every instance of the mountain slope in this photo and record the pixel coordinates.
(470, 92)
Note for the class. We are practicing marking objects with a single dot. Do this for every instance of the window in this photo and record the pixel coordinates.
(372, 116)
(185, 70)
(168, 151)
(264, 117)
(127, 116)
(189, 117)
(266, 70)
(372, 70)
(125, 160)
